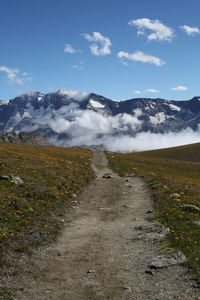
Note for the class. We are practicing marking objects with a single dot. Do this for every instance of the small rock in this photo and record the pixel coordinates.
(106, 176)
(168, 260)
(74, 195)
(127, 206)
(138, 228)
(127, 289)
(149, 272)
(150, 211)
(197, 222)
(91, 271)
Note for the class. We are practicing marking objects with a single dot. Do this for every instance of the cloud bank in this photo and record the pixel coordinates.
(75, 127)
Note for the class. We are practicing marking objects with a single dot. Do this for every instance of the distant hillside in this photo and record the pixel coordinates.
(184, 153)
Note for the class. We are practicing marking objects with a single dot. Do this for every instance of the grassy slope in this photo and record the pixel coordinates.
(51, 176)
(167, 171)
(184, 153)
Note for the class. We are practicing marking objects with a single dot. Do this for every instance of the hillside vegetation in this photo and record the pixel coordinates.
(42, 182)
(183, 153)
(174, 177)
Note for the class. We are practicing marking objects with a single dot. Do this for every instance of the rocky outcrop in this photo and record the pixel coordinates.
(24, 138)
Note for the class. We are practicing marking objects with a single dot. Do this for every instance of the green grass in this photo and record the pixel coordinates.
(51, 175)
(167, 171)
(183, 153)
(5, 294)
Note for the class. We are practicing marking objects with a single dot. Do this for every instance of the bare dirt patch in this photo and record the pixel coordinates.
(105, 250)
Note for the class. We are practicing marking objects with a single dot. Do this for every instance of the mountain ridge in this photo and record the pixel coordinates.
(69, 116)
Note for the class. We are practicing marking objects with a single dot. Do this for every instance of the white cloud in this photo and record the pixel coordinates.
(12, 75)
(76, 127)
(77, 95)
(69, 49)
(105, 43)
(25, 74)
(137, 92)
(92, 128)
(160, 31)
(179, 88)
(192, 31)
(124, 63)
(148, 141)
(140, 56)
(79, 66)
(152, 91)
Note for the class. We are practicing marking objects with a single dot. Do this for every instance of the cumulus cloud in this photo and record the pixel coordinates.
(69, 49)
(152, 91)
(105, 43)
(179, 88)
(13, 75)
(141, 57)
(137, 92)
(160, 31)
(191, 31)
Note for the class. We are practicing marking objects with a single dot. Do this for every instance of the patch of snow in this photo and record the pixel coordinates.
(40, 97)
(137, 112)
(4, 102)
(158, 118)
(96, 104)
(152, 105)
(174, 107)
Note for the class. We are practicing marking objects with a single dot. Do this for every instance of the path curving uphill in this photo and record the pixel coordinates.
(106, 250)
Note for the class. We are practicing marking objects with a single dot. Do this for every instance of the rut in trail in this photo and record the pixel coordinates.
(105, 250)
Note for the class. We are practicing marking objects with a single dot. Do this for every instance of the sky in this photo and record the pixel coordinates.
(120, 49)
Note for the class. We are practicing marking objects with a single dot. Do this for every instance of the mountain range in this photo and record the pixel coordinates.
(71, 117)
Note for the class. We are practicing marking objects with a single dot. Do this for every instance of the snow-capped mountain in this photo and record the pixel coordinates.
(74, 118)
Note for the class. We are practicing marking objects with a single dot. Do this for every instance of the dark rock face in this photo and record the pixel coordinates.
(42, 113)
(24, 138)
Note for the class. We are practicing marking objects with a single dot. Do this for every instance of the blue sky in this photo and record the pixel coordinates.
(119, 49)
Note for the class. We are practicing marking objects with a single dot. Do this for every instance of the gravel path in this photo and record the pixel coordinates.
(105, 251)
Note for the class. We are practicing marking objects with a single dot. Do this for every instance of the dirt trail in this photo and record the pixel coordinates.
(105, 250)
